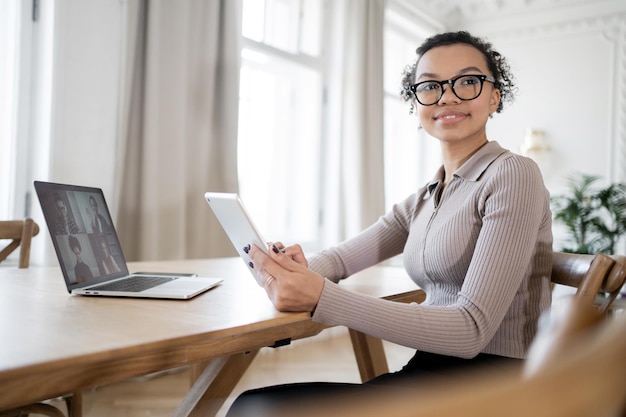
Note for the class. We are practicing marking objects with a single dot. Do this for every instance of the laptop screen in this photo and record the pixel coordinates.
(82, 232)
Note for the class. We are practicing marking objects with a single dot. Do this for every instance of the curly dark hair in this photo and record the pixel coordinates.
(496, 63)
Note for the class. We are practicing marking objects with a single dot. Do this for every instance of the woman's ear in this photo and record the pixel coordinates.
(494, 102)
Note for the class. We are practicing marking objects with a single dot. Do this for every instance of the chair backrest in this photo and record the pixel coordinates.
(590, 274)
(20, 233)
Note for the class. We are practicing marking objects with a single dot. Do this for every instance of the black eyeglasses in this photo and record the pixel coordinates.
(465, 87)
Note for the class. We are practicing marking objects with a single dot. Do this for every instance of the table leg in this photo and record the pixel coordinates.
(213, 386)
(370, 355)
(74, 403)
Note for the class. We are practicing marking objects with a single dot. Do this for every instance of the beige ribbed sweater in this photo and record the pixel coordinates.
(481, 249)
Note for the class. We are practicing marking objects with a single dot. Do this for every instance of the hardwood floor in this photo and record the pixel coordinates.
(327, 357)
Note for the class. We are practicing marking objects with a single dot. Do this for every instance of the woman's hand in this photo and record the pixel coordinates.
(286, 279)
(295, 252)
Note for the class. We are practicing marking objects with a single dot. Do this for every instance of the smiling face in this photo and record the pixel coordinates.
(451, 119)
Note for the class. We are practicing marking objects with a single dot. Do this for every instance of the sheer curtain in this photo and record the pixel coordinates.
(354, 192)
(178, 126)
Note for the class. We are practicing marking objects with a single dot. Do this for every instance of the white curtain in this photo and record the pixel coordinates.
(354, 158)
(178, 126)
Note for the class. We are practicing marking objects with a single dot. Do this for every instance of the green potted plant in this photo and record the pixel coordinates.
(595, 218)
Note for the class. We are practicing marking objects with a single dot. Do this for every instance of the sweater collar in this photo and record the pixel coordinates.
(473, 168)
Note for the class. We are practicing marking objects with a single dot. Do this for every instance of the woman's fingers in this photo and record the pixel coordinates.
(264, 266)
(296, 253)
(290, 285)
(277, 264)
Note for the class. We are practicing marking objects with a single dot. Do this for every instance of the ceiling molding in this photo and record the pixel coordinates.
(457, 14)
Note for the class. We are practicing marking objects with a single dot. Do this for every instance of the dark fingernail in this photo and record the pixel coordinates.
(246, 248)
(275, 249)
(251, 265)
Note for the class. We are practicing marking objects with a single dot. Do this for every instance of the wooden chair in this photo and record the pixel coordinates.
(581, 374)
(590, 274)
(20, 232)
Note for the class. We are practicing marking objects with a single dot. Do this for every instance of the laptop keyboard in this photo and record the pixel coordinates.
(133, 284)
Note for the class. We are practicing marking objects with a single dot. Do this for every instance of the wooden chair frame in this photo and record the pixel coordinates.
(20, 232)
(590, 274)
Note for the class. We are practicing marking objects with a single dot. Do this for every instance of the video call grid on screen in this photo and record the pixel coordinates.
(80, 226)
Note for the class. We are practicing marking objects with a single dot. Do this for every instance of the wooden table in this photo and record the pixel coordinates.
(52, 343)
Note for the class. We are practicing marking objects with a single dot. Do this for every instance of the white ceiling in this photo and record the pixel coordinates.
(458, 12)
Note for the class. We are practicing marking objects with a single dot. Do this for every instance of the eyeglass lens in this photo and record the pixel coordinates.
(467, 87)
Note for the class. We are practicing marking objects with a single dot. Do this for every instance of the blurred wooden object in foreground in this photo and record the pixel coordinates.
(576, 368)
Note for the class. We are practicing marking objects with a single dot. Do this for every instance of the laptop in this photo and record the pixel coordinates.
(90, 254)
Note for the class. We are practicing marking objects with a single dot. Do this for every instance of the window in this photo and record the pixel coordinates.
(280, 116)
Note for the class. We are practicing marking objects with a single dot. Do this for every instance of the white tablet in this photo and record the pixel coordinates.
(237, 224)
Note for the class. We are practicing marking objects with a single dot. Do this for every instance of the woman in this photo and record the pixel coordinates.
(477, 238)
